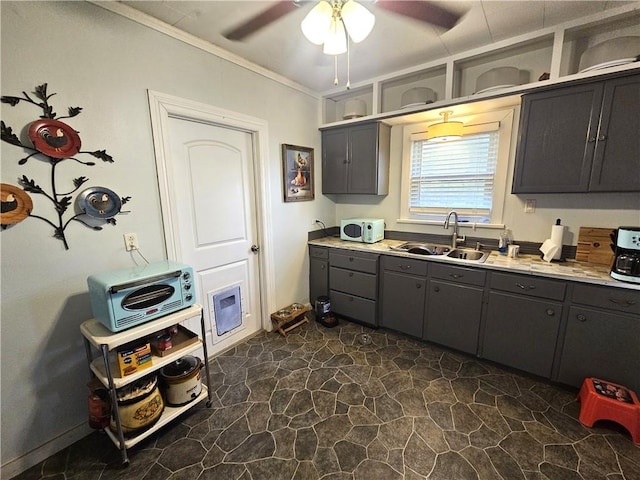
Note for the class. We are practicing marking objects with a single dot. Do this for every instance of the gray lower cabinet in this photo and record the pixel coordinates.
(318, 273)
(602, 337)
(402, 294)
(522, 322)
(353, 285)
(454, 307)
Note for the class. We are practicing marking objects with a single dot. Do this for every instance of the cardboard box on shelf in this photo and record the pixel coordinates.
(133, 358)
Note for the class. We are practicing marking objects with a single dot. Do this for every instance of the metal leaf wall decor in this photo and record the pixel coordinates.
(55, 142)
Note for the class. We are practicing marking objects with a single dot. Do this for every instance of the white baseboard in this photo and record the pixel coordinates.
(28, 460)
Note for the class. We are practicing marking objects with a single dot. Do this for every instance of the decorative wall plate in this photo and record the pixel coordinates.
(54, 138)
(99, 202)
(15, 204)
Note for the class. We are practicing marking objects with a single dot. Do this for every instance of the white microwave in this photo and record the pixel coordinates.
(365, 230)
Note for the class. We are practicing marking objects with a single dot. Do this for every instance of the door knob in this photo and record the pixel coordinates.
(255, 248)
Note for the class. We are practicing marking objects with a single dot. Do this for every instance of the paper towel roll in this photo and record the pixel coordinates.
(557, 236)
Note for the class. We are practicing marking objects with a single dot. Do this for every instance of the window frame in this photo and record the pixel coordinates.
(473, 124)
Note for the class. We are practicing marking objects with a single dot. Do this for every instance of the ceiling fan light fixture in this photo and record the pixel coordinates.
(335, 42)
(316, 24)
(445, 131)
(358, 20)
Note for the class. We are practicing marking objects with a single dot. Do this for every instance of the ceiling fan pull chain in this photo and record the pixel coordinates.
(348, 64)
(335, 69)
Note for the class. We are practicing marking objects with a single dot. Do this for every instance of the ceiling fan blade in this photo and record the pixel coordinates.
(420, 10)
(264, 18)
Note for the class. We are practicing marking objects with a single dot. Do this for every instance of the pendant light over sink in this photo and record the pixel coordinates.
(445, 131)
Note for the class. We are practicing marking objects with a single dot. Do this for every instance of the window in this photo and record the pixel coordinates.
(466, 175)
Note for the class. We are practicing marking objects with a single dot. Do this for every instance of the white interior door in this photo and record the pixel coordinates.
(208, 172)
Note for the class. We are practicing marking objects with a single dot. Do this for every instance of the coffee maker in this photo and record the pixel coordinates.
(626, 263)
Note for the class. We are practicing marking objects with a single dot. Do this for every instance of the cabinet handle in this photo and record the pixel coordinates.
(591, 139)
(323, 266)
(436, 289)
(418, 286)
(624, 303)
(551, 312)
(602, 137)
(404, 267)
(525, 287)
(455, 275)
(351, 274)
(351, 259)
(345, 161)
(581, 317)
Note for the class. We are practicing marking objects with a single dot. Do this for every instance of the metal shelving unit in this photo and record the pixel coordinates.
(102, 366)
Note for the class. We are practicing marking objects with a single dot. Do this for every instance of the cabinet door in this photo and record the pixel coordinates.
(453, 315)
(403, 303)
(616, 166)
(335, 160)
(601, 344)
(521, 332)
(318, 279)
(554, 152)
(363, 159)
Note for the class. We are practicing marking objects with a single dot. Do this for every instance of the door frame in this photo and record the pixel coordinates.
(163, 106)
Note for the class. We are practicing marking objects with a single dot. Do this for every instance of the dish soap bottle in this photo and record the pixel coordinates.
(505, 241)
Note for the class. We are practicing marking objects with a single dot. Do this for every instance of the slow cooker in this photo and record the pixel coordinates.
(182, 380)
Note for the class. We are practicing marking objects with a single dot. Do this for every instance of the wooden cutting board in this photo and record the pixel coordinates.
(594, 245)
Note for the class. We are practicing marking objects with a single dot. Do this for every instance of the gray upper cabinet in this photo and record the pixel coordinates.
(581, 138)
(355, 159)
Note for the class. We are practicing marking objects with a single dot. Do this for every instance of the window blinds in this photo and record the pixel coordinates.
(456, 175)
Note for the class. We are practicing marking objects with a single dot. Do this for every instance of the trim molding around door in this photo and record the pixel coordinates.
(162, 107)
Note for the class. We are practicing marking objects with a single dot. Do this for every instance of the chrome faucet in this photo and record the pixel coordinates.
(455, 238)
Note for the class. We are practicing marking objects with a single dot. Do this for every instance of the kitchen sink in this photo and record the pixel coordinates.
(420, 248)
(468, 254)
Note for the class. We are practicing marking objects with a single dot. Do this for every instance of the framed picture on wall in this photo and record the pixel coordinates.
(297, 173)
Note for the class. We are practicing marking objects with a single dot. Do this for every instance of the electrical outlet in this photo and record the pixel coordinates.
(529, 206)
(314, 222)
(131, 241)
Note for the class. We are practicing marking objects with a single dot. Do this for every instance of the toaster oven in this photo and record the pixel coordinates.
(125, 298)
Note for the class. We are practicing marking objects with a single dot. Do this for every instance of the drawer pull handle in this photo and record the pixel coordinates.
(551, 312)
(602, 137)
(351, 274)
(436, 289)
(581, 317)
(418, 286)
(455, 275)
(624, 303)
(351, 259)
(525, 287)
(323, 266)
(405, 267)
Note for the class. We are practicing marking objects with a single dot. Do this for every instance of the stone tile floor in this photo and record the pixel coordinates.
(319, 404)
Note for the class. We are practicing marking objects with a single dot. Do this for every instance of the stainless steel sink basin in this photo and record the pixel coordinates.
(468, 254)
(420, 248)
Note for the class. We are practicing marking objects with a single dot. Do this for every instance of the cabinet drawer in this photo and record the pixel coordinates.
(527, 285)
(319, 252)
(404, 265)
(468, 276)
(619, 299)
(355, 283)
(353, 307)
(354, 261)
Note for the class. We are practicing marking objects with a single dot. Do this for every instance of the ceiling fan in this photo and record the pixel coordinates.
(423, 11)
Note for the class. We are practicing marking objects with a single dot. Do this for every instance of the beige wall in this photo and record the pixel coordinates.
(105, 63)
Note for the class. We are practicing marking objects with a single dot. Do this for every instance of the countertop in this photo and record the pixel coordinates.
(524, 264)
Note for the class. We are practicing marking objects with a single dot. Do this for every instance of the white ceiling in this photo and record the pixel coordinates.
(396, 42)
